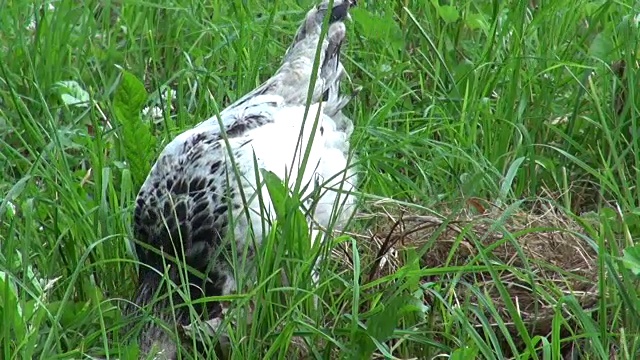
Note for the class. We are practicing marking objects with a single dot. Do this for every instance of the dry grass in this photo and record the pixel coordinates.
(539, 256)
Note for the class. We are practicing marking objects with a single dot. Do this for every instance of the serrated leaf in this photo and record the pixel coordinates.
(131, 95)
(138, 141)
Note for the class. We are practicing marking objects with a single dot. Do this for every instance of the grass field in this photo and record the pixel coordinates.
(519, 115)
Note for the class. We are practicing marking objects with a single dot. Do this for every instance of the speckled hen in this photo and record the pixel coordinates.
(185, 205)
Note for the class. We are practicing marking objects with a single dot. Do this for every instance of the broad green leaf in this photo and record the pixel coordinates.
(631, 259)
(507, 182)
(591, 7)
(7, 206)
(130, 96)
(287, 208)
(72, 313)
(464, 353)
(72, 94)
(463, 70)
(138, 141)
(448, 13)
(379, 27)
(11, 311)
(602, 46)
(476, 21)
(9, 209)
(382, 324)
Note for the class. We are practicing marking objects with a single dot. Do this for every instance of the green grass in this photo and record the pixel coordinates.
(470, 100)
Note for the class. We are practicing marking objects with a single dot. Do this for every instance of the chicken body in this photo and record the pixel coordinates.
(185, 206)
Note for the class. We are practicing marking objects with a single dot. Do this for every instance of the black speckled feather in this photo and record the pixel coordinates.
(182, 209)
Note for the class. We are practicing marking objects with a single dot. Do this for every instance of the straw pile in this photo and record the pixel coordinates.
(539, 256)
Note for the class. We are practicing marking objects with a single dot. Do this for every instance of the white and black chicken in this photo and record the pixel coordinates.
(184, 207)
